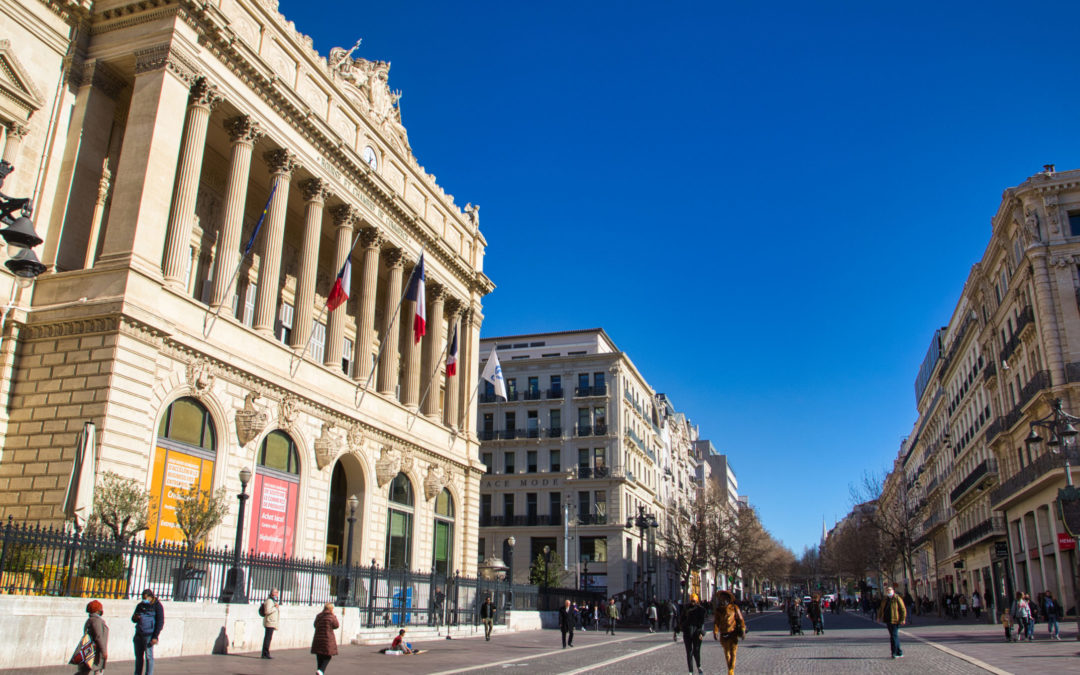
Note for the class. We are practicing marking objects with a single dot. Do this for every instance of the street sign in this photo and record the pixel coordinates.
(1065, 542)
(1001, 549)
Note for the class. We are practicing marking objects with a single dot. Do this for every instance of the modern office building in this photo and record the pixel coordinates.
(153, 137)
(582, 444)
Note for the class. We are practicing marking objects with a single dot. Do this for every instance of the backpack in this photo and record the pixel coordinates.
(262, 610)
(146, 622)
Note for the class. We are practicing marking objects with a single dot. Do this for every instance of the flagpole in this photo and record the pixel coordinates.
(295, 361)
(479, 379)
(427, 389)
(207, 327)
(382, 341)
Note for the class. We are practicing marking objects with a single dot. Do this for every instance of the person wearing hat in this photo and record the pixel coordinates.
(98, 631)
(149, 618)
(693, 632)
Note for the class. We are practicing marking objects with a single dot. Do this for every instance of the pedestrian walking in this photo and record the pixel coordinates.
(487, 617)
(1054, 613)
(596, 616)
(1021, 613)
(813, 611)
(612, 615)
(693, 632)
(976, 604)
(271, 620)
(673, 620)
(323, 642)
(1034, 611)
(97, 631)
(1007, 624)
(566, 625)
(437, 607)
(149, 619)
(652, 618)
(894, 614)
(732, 627)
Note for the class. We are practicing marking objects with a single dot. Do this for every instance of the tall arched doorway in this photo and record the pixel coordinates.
(184, 457)
(347, 479)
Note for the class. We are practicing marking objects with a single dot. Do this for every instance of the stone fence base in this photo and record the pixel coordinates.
(43, 631)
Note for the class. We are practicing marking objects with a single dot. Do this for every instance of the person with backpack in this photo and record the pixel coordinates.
(149, 619)
(271, 615)
(1054, 613)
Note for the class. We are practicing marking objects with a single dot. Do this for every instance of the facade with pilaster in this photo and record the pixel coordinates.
(985, 500)
(575, 451)
(159, 133)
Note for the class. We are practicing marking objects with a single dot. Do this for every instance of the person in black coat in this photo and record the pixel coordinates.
(693, 632)
(566, 625)
(149, 619)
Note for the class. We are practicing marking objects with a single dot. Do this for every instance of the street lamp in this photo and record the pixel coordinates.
(508, 554)
(346, 582)
(235, 588)
(547, 561)
(19, 233)
(1062, 439)
(646, 524)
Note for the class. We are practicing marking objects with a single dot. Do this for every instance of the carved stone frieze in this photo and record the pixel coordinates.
(395, 257)
(1063, 261)
(200, 375)
(250, 421)
(100, 76)
(356, 437)
(437, 478)
(163, 56)
(1050, 201)
(327, 446)
(76, 327)
(288, 411)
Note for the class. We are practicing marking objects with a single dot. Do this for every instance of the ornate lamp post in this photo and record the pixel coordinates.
(346, 582)
(547, 561)
(646, 524)
(235, 588)
(1062, 440)
(508, 554)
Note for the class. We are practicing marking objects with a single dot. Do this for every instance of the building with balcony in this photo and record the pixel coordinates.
(161, 138)
(1011, 348)
(581, 443)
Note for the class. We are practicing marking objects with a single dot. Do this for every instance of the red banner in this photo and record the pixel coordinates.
(273, 517)
(1065, 542)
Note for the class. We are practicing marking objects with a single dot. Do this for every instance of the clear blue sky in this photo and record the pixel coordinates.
(769, 207)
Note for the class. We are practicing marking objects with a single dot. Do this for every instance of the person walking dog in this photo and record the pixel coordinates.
(893, 613)
(323, 642)
(271, 619)
(149, 619)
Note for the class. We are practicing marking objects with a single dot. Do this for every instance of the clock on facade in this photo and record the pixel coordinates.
(370, 157)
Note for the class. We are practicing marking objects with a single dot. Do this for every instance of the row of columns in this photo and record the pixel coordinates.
(419, 365)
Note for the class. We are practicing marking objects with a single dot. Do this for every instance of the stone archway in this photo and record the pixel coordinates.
(346, 479)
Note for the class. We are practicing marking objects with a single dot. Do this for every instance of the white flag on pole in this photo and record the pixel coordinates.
(493, 373)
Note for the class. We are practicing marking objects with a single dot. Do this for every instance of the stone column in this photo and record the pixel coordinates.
(466, 367)
(410, 356)
(203, 98)
(450, 406)
(282, 164)
(315, 194)
(1046, 315)
(14, 134)
(370, 240)
(434, 348)
(344, 218)
(244, 131)
(388, 355)
(139, 215)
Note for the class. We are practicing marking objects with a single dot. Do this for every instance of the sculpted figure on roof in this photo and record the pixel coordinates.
(370, 91)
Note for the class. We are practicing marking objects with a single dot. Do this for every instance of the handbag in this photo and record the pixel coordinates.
(84, 652)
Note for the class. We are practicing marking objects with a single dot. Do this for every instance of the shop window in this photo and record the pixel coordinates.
(184, 457)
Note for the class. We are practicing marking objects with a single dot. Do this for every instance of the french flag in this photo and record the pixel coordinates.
(451, 357)
(339, 294)
(416, 294)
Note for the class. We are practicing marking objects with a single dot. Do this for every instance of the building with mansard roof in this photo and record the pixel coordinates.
(152, 136)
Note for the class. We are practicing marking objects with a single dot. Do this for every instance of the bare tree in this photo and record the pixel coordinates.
(893, 515)
(684, 535)
(121, 505)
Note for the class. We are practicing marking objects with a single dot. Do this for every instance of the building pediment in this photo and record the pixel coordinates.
(19, 98)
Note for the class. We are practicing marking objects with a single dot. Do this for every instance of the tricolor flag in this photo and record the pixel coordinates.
(451, 356)
(339, 294)
(416, 294)
(493, 373)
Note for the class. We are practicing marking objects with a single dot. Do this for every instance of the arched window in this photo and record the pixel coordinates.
(443, 545)
(184, 456)
(399, 524)
(275, 493)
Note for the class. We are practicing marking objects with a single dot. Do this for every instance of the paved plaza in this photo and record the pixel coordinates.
(851, 644)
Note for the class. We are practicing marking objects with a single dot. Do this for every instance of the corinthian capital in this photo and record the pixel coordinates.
(314, 190)
(395, 257)
(203, 93)
(282, 162)
(243, 129)
(344, 215)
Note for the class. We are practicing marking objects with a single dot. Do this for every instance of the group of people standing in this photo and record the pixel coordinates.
(1020, 620)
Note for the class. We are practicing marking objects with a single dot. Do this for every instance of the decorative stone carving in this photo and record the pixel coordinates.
(314, 189)
(289, 410)
(356, 437)
(344, 215)
(326, 446)
(282, 162)
(1063, 261)
(388, 465)
(243, 129)
(1050, 201)
(473, 212)
(437, 478)
(200, 375)
(104, 183)
(250, 421)
(100, 76)
(204, 94)
(371, 92)
(370, 237)
(395, 257)
(163, 56)
(1031, 227)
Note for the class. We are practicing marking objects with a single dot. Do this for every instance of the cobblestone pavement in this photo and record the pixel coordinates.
(851, 644)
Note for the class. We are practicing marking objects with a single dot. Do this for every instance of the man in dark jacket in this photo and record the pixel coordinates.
(149, 619)
(893, 614)
(566, 625)
(487, 617)
(693, 632)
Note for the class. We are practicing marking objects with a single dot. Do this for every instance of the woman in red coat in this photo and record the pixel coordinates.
(324, 644)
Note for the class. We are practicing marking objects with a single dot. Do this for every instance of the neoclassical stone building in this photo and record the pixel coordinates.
(153, 136)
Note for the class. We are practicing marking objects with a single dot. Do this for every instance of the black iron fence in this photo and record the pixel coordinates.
(52, 562)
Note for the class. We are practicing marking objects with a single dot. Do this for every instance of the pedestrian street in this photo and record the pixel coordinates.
(851, 644)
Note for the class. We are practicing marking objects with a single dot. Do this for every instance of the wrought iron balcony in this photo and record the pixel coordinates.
(1042, 465)
(511, 396)
(487, 434)
(991, 527)
(583, 430)
(933, 484)
(555, 393)
(488, 398)
(986, 470)
(536, 520)
(994, 429)
(531, 395)
(590, 391)
(600, 429)
(593, 519)
(555, 432)
(532, 433)
(588, 472)
(1072, 371)
(1038, 382)
(508, 434)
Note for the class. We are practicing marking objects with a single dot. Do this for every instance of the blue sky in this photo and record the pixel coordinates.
(770, 208)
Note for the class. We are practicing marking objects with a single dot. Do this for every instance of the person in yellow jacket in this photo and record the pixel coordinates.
(893, 613)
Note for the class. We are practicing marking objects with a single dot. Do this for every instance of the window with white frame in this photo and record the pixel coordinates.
(317, 341)
(346, 357)
(285, 322)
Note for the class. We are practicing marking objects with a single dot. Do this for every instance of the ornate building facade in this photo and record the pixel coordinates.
(155, 136)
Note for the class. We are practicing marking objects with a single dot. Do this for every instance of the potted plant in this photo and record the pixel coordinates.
(20, 573)
(198, 512)
(121, 511)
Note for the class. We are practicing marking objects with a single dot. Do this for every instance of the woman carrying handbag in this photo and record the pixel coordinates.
(93, 649)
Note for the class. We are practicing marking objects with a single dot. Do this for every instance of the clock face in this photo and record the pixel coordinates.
(370, 157)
